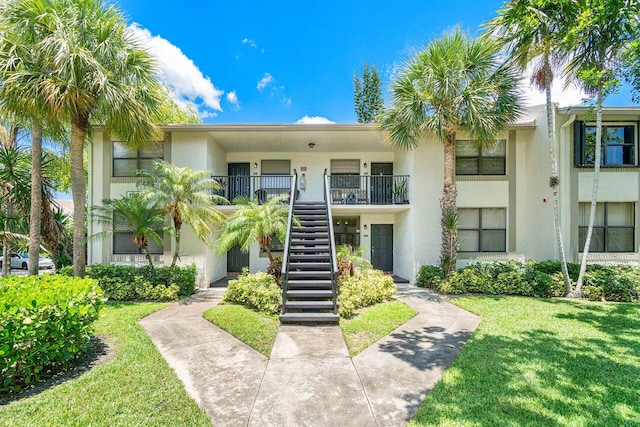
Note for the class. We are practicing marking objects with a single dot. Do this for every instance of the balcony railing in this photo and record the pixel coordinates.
(257, 187)
(369, 189)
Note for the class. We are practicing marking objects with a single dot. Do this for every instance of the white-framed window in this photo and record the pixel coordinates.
(613, 228)
(619, 142)
(126, 161)
(482, 229)
(473, 159)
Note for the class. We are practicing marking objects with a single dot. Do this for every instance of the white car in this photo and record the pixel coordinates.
(21, 260)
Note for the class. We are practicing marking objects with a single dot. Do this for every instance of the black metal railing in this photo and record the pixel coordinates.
(287, 242)
(256, 187)
(332, 248)
(368, 189)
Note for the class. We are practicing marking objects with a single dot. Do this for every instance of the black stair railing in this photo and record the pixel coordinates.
(287, 242)
(332, 249)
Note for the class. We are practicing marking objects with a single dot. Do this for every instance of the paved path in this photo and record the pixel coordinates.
(310, 379)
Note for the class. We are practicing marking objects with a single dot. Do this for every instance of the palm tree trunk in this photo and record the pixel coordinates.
(577, 292)
(6, 262)
(554, 182)
(148, 256)
(35, 216)
(176, 254)
(449, 248)
(79, 128)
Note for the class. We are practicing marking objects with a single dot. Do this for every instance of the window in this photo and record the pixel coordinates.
(280, 171)
(613, 229)
(346, 231)
(276, 245)
(618, 145)
(472, 159)
(482, 230)
(345, 173)
(126, 160)
(123, 241)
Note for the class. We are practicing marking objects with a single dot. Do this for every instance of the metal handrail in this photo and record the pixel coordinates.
(332, 249)
(287, 241)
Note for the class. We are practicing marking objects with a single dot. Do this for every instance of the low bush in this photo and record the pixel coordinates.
(132, 283)
(368, 288)
(45, 322)
(428, 276)
(593, 293)
(618, 283)
(258, 291)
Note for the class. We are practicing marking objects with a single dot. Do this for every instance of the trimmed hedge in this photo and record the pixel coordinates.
(132, 283)
(535, 278)
(258, 291)
(45, 322)
(368, 288)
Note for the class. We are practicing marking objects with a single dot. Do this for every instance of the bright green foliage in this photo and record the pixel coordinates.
(254, 222)
(617, 283)
(371, 325)
(593, 293)
(370, 287)
(258, 291)
(427, 275)
(539, 362)
(257, 330)
(128, 282)
(367, 95)
(45, 321)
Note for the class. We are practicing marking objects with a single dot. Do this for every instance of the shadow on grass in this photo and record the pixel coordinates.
(543, 377)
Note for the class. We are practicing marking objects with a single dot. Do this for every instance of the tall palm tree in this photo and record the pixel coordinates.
(533, 30)
(254, 222)
(90, 69)
(134, 212)
(599, 38)
(456, 83)
(187, 197)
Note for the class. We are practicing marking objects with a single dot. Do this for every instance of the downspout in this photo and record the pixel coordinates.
(565, 181)
(90, 198)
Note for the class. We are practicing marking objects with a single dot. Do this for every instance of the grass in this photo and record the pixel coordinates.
(255, 329)
(374, 323)
(542, 362)
(134, 386)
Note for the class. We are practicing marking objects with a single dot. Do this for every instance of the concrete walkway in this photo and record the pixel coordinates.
(310, 379)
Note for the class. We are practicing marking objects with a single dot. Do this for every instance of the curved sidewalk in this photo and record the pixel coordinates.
(310, 378)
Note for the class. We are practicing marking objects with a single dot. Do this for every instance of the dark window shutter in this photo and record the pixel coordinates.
(578, 142)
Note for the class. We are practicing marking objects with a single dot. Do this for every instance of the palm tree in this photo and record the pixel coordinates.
(599, 38)
(89, 69)
(533, 31)
(134, 212)
(254, 222)
(455, 83)
(187, 196)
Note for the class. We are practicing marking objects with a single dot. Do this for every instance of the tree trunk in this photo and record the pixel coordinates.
(577, 292)
(35, 216)
(79, 128)
(176, 254)
(6, 262)
(553, 180)
(148, 256)
(449, 248)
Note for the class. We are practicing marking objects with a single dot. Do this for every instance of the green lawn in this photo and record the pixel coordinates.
(374, 323)
(136, 387)
(542, 363)
(255, 329)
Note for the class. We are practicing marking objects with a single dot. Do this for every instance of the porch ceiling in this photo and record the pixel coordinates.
(296, 138)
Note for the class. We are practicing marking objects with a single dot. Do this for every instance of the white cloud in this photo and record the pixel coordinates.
(249, 42)
(314, 120)
(232, 98)
(264, 81)
(183, 77)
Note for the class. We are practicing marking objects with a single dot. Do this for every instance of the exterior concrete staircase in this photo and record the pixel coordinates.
(309, 288)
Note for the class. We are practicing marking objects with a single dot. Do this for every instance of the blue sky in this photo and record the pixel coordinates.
(283, 61)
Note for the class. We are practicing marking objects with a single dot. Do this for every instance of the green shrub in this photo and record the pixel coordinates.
(132, 283)
(275, 268)
(593, 293)
(45, 322)
(258, 291)
(619, 283)
(428, 276)
(370, 287)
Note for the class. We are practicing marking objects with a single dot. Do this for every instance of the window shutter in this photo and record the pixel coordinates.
(578, 142)
(155, 248)
(275, 167)
(345, 166)
(122, 244)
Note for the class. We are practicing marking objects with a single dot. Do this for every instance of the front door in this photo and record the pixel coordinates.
(381, 183)
(237, 260)
(382, 246)
(239, 181)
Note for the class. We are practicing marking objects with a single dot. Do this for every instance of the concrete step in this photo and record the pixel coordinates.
(309, 235)
(309, 305)
(306, 266)
(309, 318)
(303, 258)
(309, 294)
(308, 242)
(312, 274)
(309, 285)
(308, 249)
